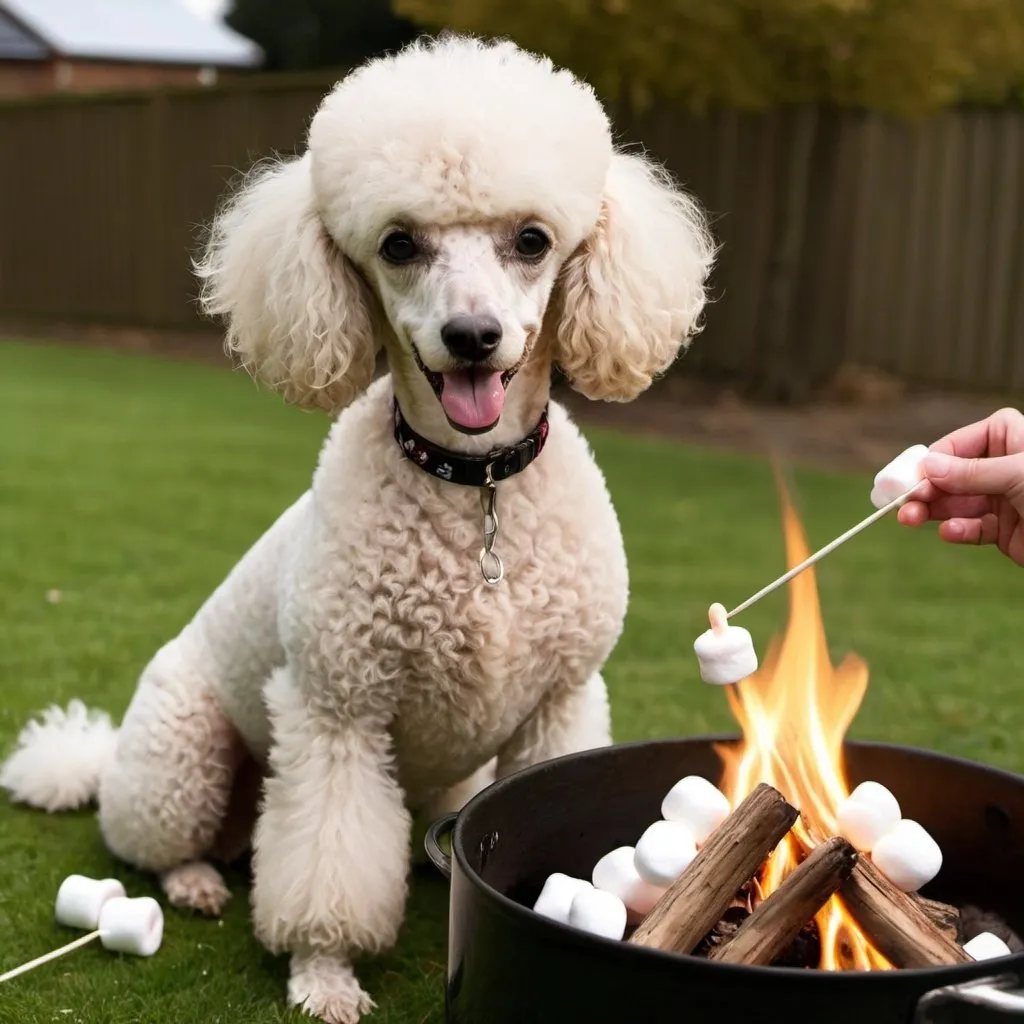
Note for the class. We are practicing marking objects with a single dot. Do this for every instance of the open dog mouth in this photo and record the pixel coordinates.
(473, 396)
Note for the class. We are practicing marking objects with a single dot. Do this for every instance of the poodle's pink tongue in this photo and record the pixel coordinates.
(473, 398)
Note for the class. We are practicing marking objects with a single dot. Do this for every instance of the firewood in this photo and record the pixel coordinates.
(896, 922)
(698, 898)
(780, 918)
(945, 917)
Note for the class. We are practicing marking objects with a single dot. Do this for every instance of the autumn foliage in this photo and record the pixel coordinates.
(899, 56)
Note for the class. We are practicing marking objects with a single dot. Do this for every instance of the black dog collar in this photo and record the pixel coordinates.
(470, 470)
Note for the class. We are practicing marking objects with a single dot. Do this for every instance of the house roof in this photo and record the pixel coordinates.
(154, 31)
(17, 44)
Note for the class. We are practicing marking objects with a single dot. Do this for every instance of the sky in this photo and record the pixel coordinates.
(207, 8)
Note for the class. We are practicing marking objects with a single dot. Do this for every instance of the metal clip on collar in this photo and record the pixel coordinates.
(490, 563)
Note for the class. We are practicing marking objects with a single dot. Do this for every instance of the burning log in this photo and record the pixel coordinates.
(945, 917)
(771, 928)
(901, 928)
(699, 897)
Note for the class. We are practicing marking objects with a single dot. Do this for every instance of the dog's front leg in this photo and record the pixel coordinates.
(331, 850)
(571, 717)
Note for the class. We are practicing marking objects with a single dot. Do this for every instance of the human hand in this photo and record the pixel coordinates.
(975, 485)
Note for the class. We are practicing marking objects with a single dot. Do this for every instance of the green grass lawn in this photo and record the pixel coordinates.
(131, 485)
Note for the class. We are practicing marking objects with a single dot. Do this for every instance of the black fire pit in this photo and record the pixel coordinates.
(507, 965)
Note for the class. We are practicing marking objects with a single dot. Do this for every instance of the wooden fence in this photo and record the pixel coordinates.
(893, 245)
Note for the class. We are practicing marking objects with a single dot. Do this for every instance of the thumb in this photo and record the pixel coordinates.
(1001, 475)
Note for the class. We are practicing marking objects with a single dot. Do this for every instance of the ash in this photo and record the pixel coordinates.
(974, 921)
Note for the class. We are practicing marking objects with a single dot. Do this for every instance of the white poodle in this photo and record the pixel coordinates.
(461, 206)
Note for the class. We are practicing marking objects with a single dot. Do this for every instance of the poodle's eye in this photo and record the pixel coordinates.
(532, 242)
(399, 247)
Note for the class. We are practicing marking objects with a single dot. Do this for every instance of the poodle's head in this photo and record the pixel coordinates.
(458, 202)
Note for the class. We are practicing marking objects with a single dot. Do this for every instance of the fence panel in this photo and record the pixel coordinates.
(912, 255)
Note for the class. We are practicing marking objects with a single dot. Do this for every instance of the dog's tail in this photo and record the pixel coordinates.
(59, 757)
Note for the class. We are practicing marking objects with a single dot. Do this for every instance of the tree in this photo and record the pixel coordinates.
(306, 34)
(901, 57)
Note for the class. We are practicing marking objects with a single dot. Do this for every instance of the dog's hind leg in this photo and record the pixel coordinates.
(164, 794)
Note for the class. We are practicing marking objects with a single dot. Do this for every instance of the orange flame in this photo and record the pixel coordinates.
(794, 713)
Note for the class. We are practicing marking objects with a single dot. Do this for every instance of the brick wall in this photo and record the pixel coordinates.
(36, 78)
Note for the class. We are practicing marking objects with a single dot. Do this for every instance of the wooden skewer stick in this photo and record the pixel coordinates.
(47, 957)
(696, 900)
(899, 926)
(777, 921)
(827, 549)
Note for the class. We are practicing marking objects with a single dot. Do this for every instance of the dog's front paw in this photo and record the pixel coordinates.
(325, 986)
(196, 886)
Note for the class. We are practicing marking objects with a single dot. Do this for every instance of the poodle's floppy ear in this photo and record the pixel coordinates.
(299, 316)
(632, 293)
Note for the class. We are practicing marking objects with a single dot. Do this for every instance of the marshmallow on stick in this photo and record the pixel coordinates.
(899, 476)
(133, 926)
(895, 484)
(80, 900)
(725, 653)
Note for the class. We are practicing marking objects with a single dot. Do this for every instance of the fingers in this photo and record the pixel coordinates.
(957, 475)
(1002, 433)
(968, 442)
(971, 531)
(945, 506)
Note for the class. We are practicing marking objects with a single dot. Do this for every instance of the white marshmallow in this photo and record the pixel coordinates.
(986, 946)
(725, 653)
(867, 814)
(698, 804)
(556, 897)
(616, 873)
(907, 855)
(599, 913)
(131, 925)
(898, 476)
(664, 852)
(79, 900)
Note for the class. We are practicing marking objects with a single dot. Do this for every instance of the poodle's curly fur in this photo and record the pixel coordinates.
(355, 653)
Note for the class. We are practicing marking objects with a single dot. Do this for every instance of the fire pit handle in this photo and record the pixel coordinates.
(993, 999)
(433, 843)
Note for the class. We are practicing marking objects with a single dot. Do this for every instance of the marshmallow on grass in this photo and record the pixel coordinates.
(867, 814)
(616, 873)
(698, 804)
(899, 476)
(725, 653)
(133, 926)
(986, 946)
(907, 855)
(80, 900)
(664, 852)
(599, 913)
(556, 897)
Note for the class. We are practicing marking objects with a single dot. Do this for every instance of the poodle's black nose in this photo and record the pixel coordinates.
(471, 337)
